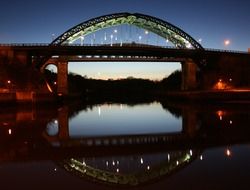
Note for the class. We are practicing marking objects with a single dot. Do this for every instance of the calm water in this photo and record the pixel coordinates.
(120, 146)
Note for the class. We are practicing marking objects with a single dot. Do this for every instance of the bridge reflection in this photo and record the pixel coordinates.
(124, 159)
(129, 170)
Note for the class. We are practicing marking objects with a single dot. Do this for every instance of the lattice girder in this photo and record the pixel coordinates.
(164, 29)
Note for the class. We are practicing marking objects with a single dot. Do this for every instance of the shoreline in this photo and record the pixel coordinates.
(226, 96)
(223, 96)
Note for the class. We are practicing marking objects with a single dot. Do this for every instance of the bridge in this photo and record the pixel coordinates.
(201, 68)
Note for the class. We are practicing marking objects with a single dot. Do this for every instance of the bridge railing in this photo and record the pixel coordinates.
(23, 44)
(78, 45)
(226, 51)
(133, 44)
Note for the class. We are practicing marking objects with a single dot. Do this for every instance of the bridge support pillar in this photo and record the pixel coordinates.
(189, 69)
(62, 78)
(189, 122)
(63, 123)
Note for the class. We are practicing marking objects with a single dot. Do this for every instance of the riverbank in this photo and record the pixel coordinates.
(26, 97)
(229, 96)
(237, 95)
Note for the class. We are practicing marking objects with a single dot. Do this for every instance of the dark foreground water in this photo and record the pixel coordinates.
(120, 146)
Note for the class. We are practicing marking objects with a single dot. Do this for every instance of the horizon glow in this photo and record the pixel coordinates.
(119, 70)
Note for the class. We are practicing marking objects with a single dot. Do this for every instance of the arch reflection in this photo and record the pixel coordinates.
(130, 170)
(125, 160)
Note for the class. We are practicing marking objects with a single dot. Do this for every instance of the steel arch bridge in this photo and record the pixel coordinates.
(160, 27)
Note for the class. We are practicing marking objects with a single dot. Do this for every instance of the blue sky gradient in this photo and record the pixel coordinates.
(30, 21)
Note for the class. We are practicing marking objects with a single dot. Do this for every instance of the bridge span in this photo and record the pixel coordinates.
(201, 68)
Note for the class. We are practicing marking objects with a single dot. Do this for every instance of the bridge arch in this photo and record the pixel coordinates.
(155, 25)
(158, 26)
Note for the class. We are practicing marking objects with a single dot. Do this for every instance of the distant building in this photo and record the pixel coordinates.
(248, 50)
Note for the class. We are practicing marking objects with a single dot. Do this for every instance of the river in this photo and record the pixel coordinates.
(151, 145)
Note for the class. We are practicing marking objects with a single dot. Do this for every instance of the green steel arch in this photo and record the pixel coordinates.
(165, 168)
(160, 27)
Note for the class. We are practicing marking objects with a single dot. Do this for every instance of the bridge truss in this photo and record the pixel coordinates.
(160, 27)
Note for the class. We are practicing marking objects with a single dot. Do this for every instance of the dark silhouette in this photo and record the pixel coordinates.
(122, 89)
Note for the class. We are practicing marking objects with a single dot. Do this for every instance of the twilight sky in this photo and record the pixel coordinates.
(213, 21)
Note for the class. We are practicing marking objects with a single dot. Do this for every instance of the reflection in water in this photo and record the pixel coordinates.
(52, 128)
(128, 145)
(123, 120)
(129, 170)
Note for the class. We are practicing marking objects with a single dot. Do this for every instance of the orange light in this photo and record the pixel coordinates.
(221, 85)
(9, 131)
(49, 88)
(220, 114)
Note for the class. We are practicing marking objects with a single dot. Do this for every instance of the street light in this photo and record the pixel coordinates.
(82, 39)
(9, 84)
(105, 36)
(115, 32)
(111, 39)
(146, 33)
(167, 40)
(140, 39)
(227, 43)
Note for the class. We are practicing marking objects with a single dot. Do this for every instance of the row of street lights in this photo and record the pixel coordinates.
(227, 42)
(113, 37)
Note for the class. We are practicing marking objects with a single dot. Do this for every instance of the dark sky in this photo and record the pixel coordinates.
(213, 21)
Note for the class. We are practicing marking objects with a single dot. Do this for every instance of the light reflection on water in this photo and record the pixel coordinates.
(187, 147)
(114, 119)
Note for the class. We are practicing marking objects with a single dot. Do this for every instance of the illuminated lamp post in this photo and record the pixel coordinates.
(115, 31)
(111, 40)
(82, 39)
(140, 37)
(105, 37)
(227, 43)
(146, 33)
(9, 84)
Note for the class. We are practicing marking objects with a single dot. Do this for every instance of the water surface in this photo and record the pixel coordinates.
(121, 146)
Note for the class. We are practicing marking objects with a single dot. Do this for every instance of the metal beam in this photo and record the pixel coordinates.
(162, 28)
